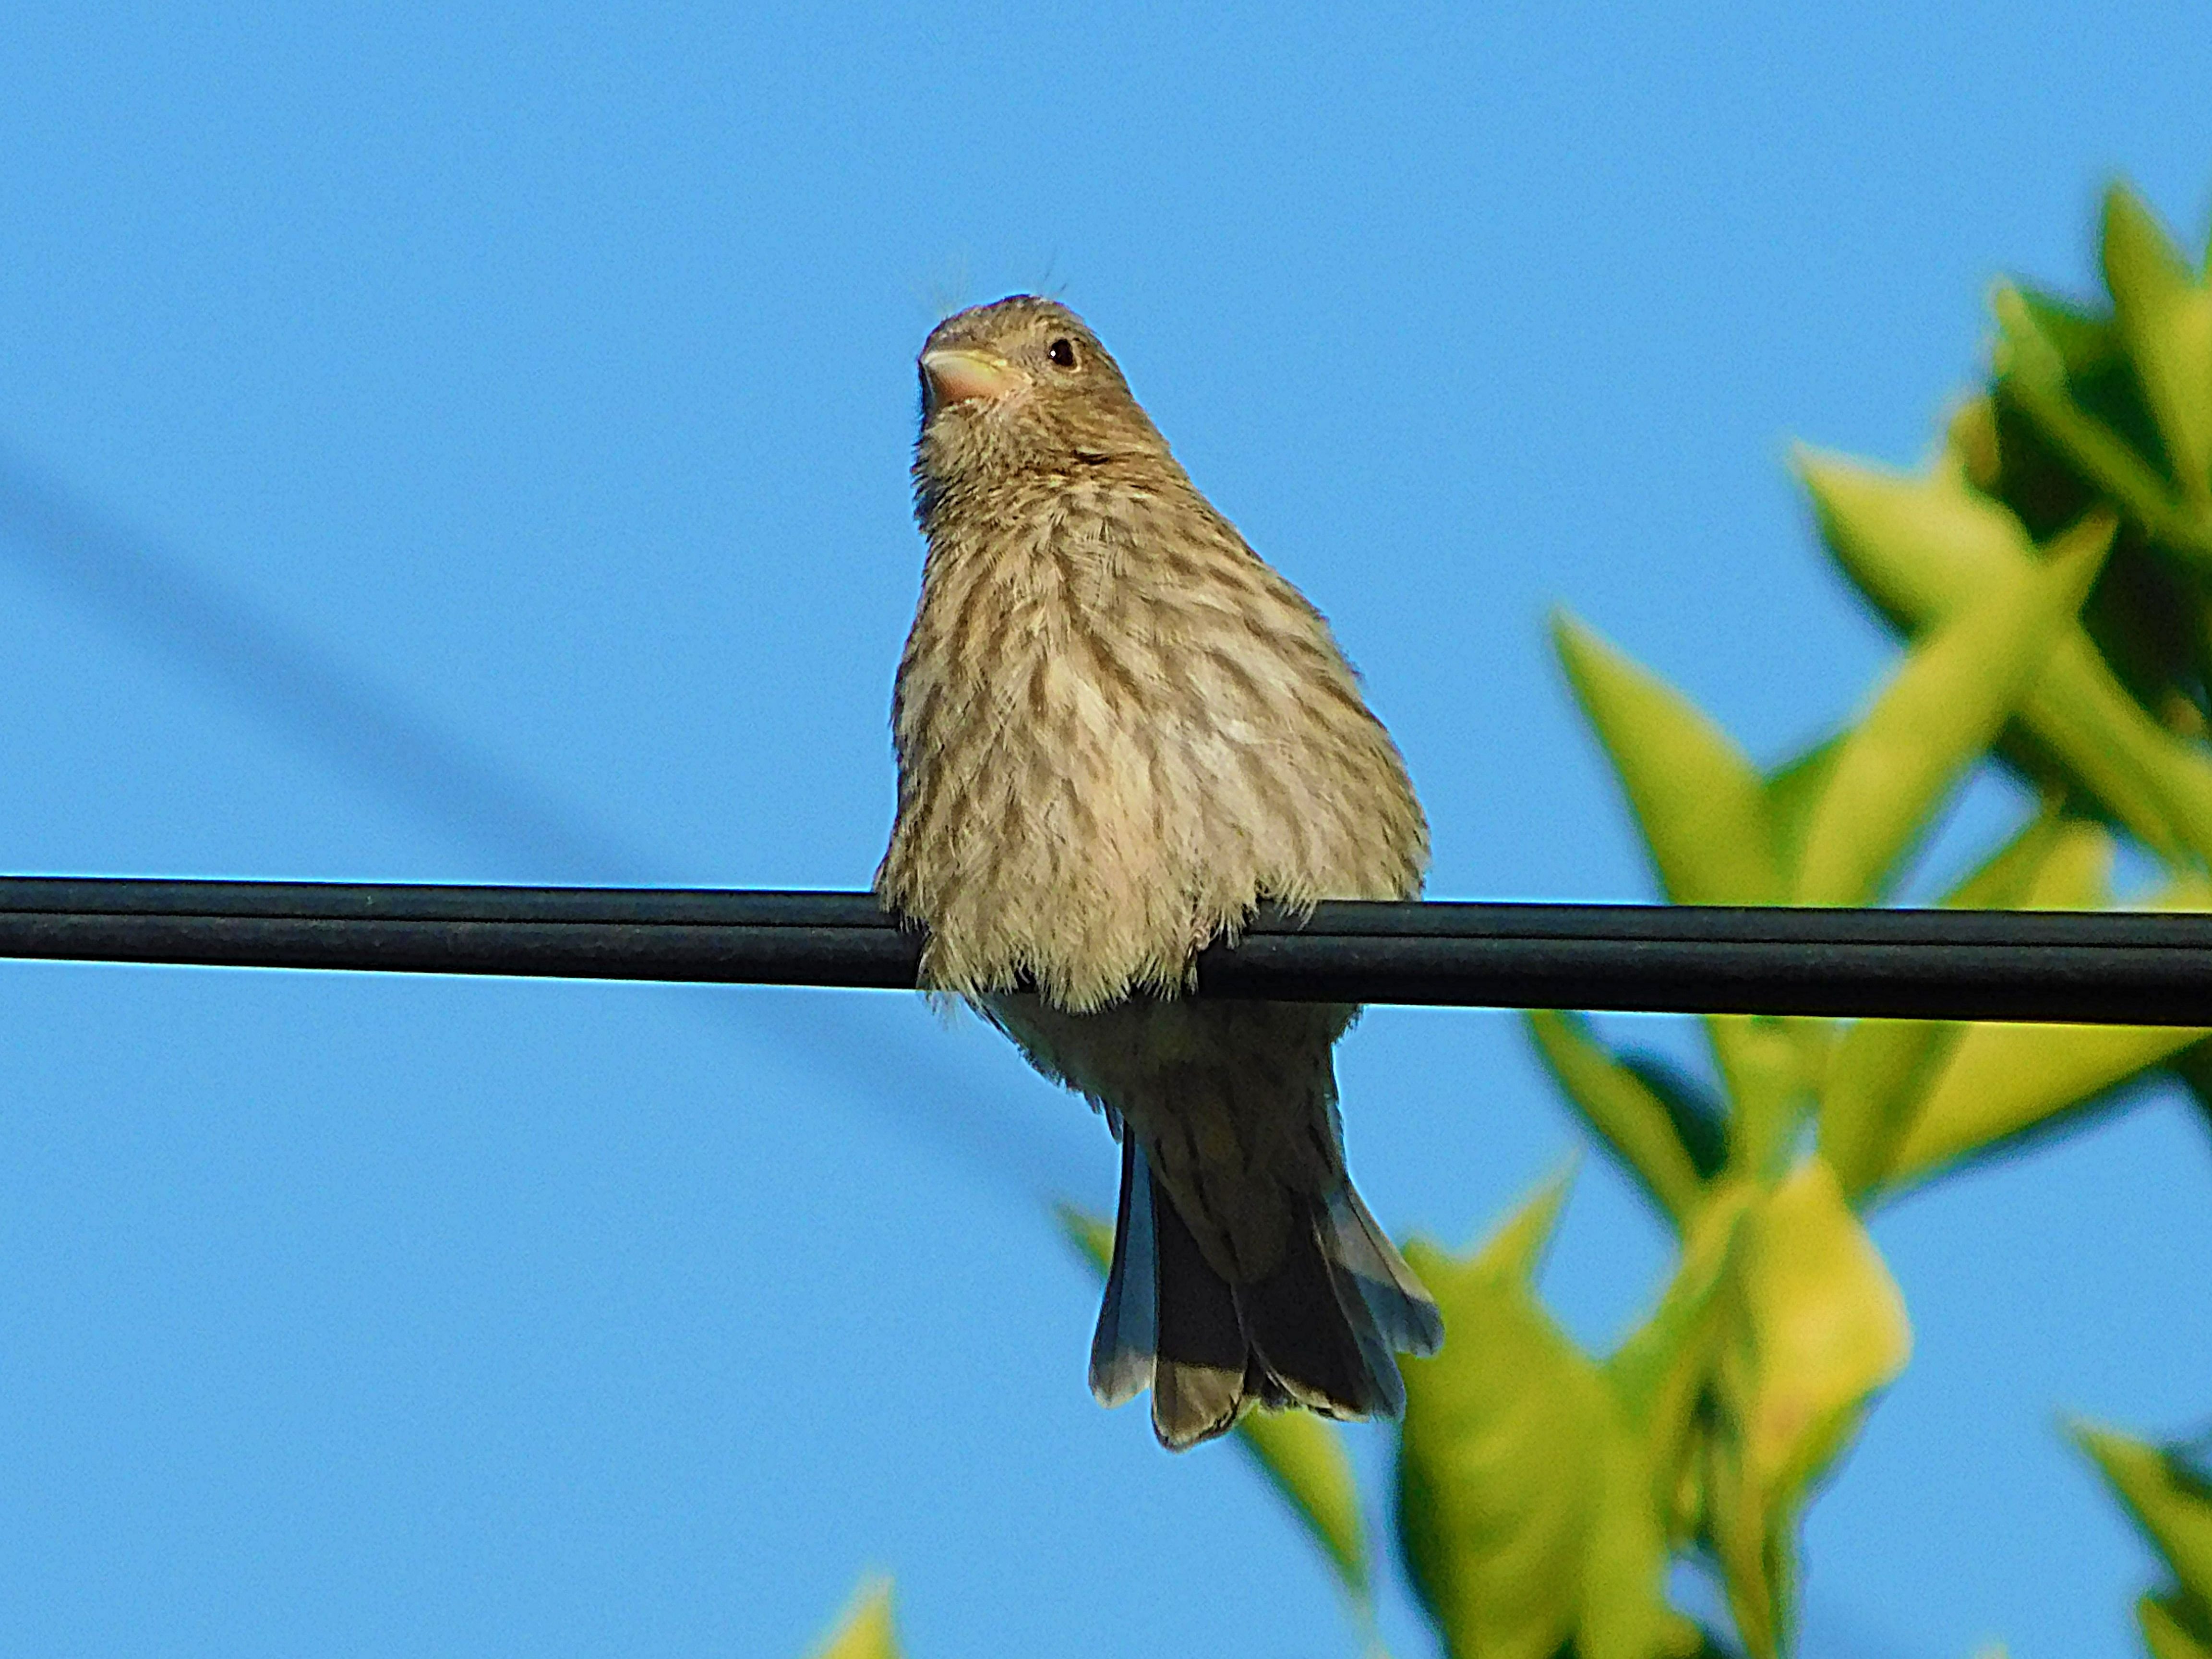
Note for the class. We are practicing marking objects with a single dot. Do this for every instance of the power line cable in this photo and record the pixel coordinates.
(2115, 968)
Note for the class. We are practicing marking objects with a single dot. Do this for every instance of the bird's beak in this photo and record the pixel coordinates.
(956, 373)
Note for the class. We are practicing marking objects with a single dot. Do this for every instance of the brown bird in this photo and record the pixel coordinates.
(1118, 732)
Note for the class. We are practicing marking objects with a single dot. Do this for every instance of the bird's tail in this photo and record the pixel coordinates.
(1320, 1331)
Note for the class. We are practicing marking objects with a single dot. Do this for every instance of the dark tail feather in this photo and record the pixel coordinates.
(1328, 1323)
(1403, 1312)
(1129, 1319)
(1310, 1329)
(1318, 1332)
(1168, 1320)
(1198, 1376)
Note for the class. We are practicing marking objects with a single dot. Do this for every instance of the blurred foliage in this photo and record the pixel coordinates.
(864, 1630)
(2171, 1500)
(2049, 574)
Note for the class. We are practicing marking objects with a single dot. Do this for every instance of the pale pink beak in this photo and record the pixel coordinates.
(957, 374)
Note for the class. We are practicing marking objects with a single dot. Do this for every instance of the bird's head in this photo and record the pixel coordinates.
(1021, 385)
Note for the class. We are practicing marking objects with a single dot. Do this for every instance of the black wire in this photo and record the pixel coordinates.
(2091, 967)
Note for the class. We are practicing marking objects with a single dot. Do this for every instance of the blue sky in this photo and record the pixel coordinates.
(547, 374)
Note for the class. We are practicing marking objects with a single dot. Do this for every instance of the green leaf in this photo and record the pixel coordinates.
(2076, 875)
(2165, 315)
(1517, 1249)
(2174, 1627)
(1301, 1455)
(2006, 879)
(1972, 437)
(1920, 549)
(1697, 799)
(2032, 370)
(1659, 1375)
(2085, 361)
(2001, 1081)
(2193, 1066)
(1945, 706)
(1820, 1329)
(1768, 1065)
(1092, 1234)
(1793, 794)
(864, 1630)
(1828, 1327)
(1624, 1615)
(1496, 1481)
(2169, 1500)
(1699, 1119)
(2084, 343)
(1513, 1468)
(1706, 818)
(1631, 1117)
(1883, 1067)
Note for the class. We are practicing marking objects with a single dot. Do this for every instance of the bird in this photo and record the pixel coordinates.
(1119, 732)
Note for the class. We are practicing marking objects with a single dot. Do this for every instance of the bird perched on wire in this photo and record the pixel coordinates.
(1118, 732)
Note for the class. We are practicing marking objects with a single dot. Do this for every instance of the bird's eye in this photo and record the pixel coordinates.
(1063, 352)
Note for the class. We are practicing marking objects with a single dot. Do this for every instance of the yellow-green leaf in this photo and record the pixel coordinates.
(2031, 368)
(1945, 706)
(2054, 863)
(1092, 1234)
(2002, 1080)
(864, 1630)
(1624, 1614)
(1301, 1455)
(1627, 1113)
(1970, 437)
(2011, 1078)
(2174, 1627)
(2165, 315)
(1660, 1373)
(1922, 548)
(1919, 547)
(1820, 1329)
(2170, 1502)
(1828, 1324)
(1641, 1368)
(1883, 1067)
(1517, 1249)
(1500, 1472)
(1700, 1119)
(1769, 1065)
(1697, 799)
(2077, 875)
(1793, 793)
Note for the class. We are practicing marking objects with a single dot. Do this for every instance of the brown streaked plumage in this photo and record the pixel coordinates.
(1118, 731)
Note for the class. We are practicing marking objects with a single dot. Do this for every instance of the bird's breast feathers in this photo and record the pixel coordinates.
(1116, 735)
